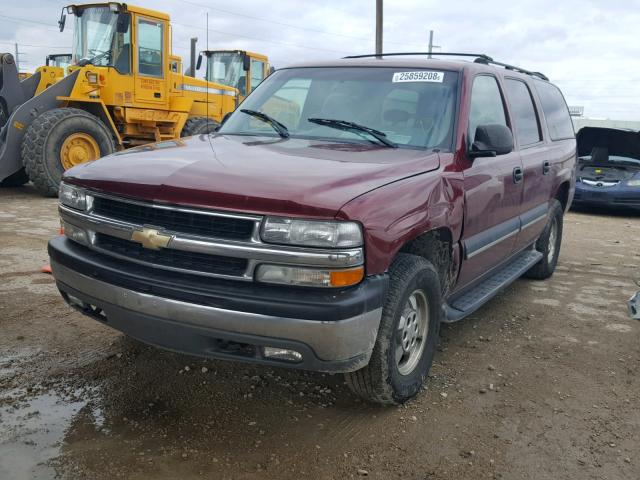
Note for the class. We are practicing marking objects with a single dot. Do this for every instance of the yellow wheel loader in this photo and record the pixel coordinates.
(124, 88)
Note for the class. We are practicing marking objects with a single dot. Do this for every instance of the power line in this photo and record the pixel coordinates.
(284, 24)
(35, 46)
(289, 44)
(26, 20)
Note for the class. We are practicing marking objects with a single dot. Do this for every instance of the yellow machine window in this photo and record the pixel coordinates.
(101, 38)
(257, 73)
(150, 34)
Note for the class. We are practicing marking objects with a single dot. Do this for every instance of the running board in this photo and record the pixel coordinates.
(471, 300)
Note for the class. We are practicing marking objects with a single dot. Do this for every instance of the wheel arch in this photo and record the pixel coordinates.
(562, 194)
(99, 110)
(436, 246)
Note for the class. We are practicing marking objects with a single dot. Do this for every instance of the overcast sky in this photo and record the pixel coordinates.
(588, 48)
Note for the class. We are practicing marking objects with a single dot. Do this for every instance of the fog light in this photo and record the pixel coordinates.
(75, 233)
(282, 354)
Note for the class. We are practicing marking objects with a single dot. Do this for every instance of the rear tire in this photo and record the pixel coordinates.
(548, 244)
(59, 139)
(392, 375)
(199, 126)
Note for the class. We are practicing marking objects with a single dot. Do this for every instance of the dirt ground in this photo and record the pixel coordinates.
(541, 383)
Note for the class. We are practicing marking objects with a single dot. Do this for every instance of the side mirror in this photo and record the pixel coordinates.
(491, 140)
(62, 21)
(225, 118)
(246, 62)
(122, 24)
(198, 63)
(271, 70)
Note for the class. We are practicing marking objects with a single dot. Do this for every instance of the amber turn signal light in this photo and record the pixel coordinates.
(344, 278)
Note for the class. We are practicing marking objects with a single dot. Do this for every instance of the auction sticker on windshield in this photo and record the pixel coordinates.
(419, 76)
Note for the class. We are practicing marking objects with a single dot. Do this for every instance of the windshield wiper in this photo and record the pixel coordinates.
(277, 126)
(354, 127)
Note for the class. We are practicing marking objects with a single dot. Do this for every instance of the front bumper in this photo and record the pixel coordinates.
(616, 196)
(334, 331)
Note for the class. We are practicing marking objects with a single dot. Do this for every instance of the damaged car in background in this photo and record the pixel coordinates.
(608, 168)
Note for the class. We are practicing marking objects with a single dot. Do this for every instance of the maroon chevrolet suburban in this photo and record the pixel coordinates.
(337, 218)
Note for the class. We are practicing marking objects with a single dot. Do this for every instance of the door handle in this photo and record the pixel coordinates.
(546, 167)
(518, 175)
(157, 95)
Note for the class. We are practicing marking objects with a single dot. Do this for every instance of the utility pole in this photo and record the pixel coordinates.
(17, 59)
(431, 45)
(378, 27)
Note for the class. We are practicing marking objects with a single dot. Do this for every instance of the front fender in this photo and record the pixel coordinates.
(398, 212)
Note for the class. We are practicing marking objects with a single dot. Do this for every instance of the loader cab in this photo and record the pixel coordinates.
(132, 42)
(60, 60)
(236, 68)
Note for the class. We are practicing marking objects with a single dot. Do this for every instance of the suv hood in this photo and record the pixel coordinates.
(252, 174)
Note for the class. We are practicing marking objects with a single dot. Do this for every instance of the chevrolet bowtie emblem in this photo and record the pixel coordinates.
(150, 238)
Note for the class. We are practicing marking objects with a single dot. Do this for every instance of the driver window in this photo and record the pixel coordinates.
(486, 104)
(150, 34)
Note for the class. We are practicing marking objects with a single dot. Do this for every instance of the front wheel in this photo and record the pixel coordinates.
(407, 337)
(548, 244)
(60, 139)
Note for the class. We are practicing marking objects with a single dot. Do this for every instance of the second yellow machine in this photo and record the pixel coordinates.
(125, 88)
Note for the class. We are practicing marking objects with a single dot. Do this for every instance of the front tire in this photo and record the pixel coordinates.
(548, 244)
(407, 337)
(60, 139)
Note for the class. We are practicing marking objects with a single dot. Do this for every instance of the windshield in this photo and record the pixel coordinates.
(98, 39)
(62, 61)
(411, 108)
(227, 68)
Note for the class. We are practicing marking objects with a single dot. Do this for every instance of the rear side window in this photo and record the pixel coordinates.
(523, 111)
(486, 104)
(555, 111)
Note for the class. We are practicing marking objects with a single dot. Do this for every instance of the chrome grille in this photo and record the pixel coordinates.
(174, 219)
(167, 257)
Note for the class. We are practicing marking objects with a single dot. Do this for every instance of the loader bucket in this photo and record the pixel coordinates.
(13, 92)
(22, 114)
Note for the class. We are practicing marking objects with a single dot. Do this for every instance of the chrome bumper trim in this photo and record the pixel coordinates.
(330, 340)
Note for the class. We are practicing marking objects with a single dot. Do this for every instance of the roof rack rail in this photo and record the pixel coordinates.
(479, 58)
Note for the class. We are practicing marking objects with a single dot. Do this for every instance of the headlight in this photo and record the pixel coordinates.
(309, 277)
(634, 182)
(72, 197)
(311, 233)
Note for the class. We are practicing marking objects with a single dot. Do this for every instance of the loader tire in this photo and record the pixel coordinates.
(60, 139)
(198, 126)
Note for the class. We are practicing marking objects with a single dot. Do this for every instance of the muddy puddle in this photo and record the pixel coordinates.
(33, 427)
